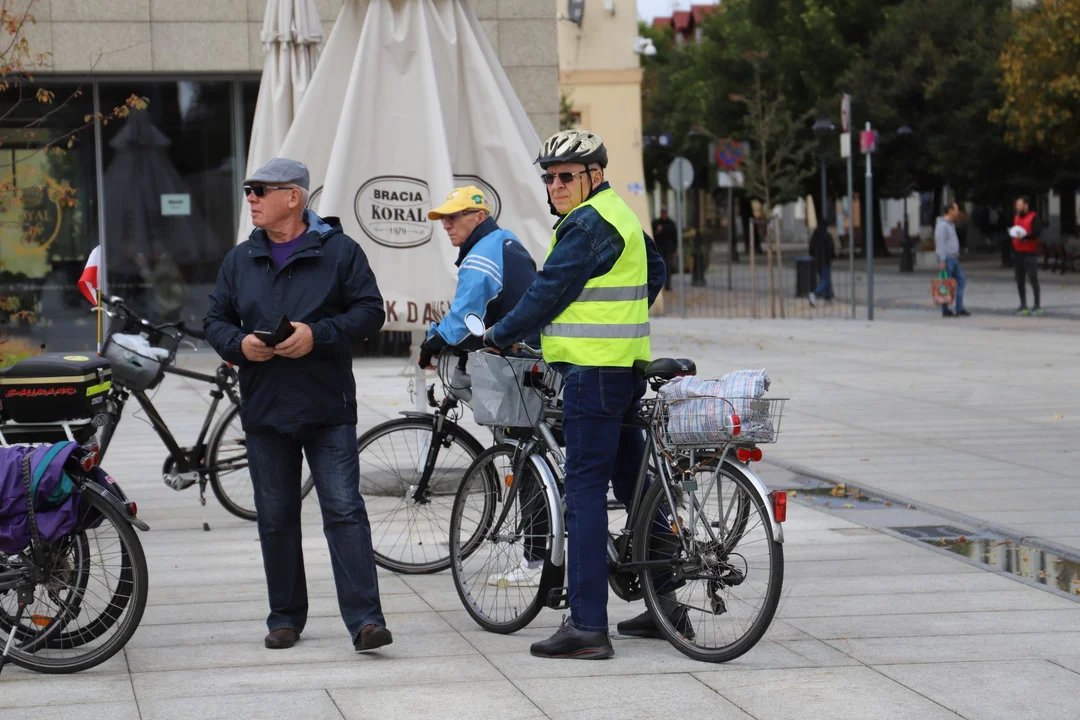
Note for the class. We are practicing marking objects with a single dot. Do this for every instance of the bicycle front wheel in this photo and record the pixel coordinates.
(500, 569)
(411, 535)
(720, 594)
(227, 465)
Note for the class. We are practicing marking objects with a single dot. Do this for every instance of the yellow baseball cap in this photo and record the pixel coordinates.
(469, 197)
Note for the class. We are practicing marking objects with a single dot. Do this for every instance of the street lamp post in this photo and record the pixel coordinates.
(907, 257)
(824, 130)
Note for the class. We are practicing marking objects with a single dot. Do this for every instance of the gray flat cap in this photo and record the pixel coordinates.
(282, 171)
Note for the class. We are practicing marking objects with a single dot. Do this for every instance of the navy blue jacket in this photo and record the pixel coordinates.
(494, 271)
(586, 246)
(327, 284)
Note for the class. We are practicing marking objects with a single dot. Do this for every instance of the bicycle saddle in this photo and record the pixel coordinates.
(668, 368)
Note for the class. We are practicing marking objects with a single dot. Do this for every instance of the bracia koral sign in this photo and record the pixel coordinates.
(392, 210)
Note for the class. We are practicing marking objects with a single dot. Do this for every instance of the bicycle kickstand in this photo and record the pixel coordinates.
(202, 502)
(26, 596)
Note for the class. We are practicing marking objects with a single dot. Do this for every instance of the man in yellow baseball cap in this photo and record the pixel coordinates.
(494, 269)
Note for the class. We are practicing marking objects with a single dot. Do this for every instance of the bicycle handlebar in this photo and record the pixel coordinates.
(116, 307)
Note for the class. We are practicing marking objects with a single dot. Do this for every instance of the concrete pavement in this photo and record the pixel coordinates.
(963, 417)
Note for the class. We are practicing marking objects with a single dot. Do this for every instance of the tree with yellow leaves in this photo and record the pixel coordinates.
(1040, 79)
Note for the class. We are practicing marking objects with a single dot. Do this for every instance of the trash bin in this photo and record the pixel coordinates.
(907, 256)
(805, 280)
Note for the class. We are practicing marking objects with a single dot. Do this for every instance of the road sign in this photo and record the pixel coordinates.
(845, 145)
(868, 141)
(845, 114)
(729, 154)
(680, 174)
(729, 179)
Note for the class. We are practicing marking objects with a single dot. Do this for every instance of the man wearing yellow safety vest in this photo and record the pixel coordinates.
(591, 302)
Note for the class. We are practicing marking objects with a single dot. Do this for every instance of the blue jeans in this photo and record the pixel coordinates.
(276, 464)
(598, 449)
(952, 267)
(824, 288)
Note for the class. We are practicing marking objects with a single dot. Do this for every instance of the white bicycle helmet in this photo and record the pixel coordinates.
(573, 146)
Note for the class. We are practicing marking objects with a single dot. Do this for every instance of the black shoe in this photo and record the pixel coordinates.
(947, 313)
(281, 638)
(371, 637)
(643, 625)
(569, 642)
(963, 313)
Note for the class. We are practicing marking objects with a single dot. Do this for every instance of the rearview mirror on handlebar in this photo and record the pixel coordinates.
(475, 325)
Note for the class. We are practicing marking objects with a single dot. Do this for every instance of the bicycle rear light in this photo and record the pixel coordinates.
(779, 503)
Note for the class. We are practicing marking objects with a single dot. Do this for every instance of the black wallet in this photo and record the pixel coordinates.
(272, 337)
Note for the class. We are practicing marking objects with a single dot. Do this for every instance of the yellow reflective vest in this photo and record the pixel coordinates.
(608, 324)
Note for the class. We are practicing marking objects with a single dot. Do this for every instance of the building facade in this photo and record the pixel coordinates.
(600, 79)
(160, 191)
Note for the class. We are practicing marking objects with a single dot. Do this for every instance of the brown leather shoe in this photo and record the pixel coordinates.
(282, 638)
(371, 637)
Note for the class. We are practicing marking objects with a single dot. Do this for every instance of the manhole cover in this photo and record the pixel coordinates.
(931, 532)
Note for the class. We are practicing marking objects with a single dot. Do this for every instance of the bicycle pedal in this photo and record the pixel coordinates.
(558, 598)
(180, 481)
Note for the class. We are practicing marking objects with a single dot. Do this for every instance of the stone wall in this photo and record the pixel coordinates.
(182, 36)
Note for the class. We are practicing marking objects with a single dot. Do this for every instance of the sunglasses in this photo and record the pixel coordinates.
(564, 177)
(261, 190)
(458, 215)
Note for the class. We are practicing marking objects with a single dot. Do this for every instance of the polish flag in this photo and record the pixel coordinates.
(88, 281)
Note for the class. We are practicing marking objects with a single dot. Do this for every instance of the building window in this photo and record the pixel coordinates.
(48, 216)
(170, 189)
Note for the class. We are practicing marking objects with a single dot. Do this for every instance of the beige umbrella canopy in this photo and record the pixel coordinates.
(292, 39)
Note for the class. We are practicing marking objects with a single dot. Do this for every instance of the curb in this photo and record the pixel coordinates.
(1064, 551)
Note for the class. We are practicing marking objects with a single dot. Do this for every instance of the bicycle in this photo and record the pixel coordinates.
(701, 526)
(218, 457)
(409, 469)
(71, 604)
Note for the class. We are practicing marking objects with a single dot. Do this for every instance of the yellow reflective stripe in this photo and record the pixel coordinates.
(98, 389)
(613, 294)
(597, 330)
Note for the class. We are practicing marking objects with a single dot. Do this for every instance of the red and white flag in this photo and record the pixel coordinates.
(88, 281)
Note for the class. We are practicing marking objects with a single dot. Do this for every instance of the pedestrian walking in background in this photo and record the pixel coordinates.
(947, 246)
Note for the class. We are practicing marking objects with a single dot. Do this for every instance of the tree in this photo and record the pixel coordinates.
(778, 157)
(933, 66)
(19, 93)
(1040, 79)
(778, 162)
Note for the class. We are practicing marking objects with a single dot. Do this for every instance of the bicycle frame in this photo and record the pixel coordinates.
(184, 462)
(548, 461)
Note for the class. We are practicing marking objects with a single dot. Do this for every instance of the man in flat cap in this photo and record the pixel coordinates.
(289, 303)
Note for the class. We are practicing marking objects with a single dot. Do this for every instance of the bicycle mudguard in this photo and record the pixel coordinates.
(762, 491)
(114, 495)
(555, 509)
(417, 415)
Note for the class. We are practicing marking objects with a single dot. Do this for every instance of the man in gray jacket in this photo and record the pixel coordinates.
(947, 245)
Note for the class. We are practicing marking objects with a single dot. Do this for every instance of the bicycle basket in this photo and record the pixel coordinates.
(696, 412)
(510, 391)
(138, 363)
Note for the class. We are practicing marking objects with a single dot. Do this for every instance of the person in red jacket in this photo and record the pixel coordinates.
(1025, 245)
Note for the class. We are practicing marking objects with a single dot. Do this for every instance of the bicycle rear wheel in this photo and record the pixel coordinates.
(721, 593)
(484, 557)
(228, 468)
(86, 610)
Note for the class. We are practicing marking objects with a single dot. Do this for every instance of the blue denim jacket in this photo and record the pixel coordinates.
(586, 246)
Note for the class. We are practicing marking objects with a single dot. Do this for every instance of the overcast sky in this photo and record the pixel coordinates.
(648, 9)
